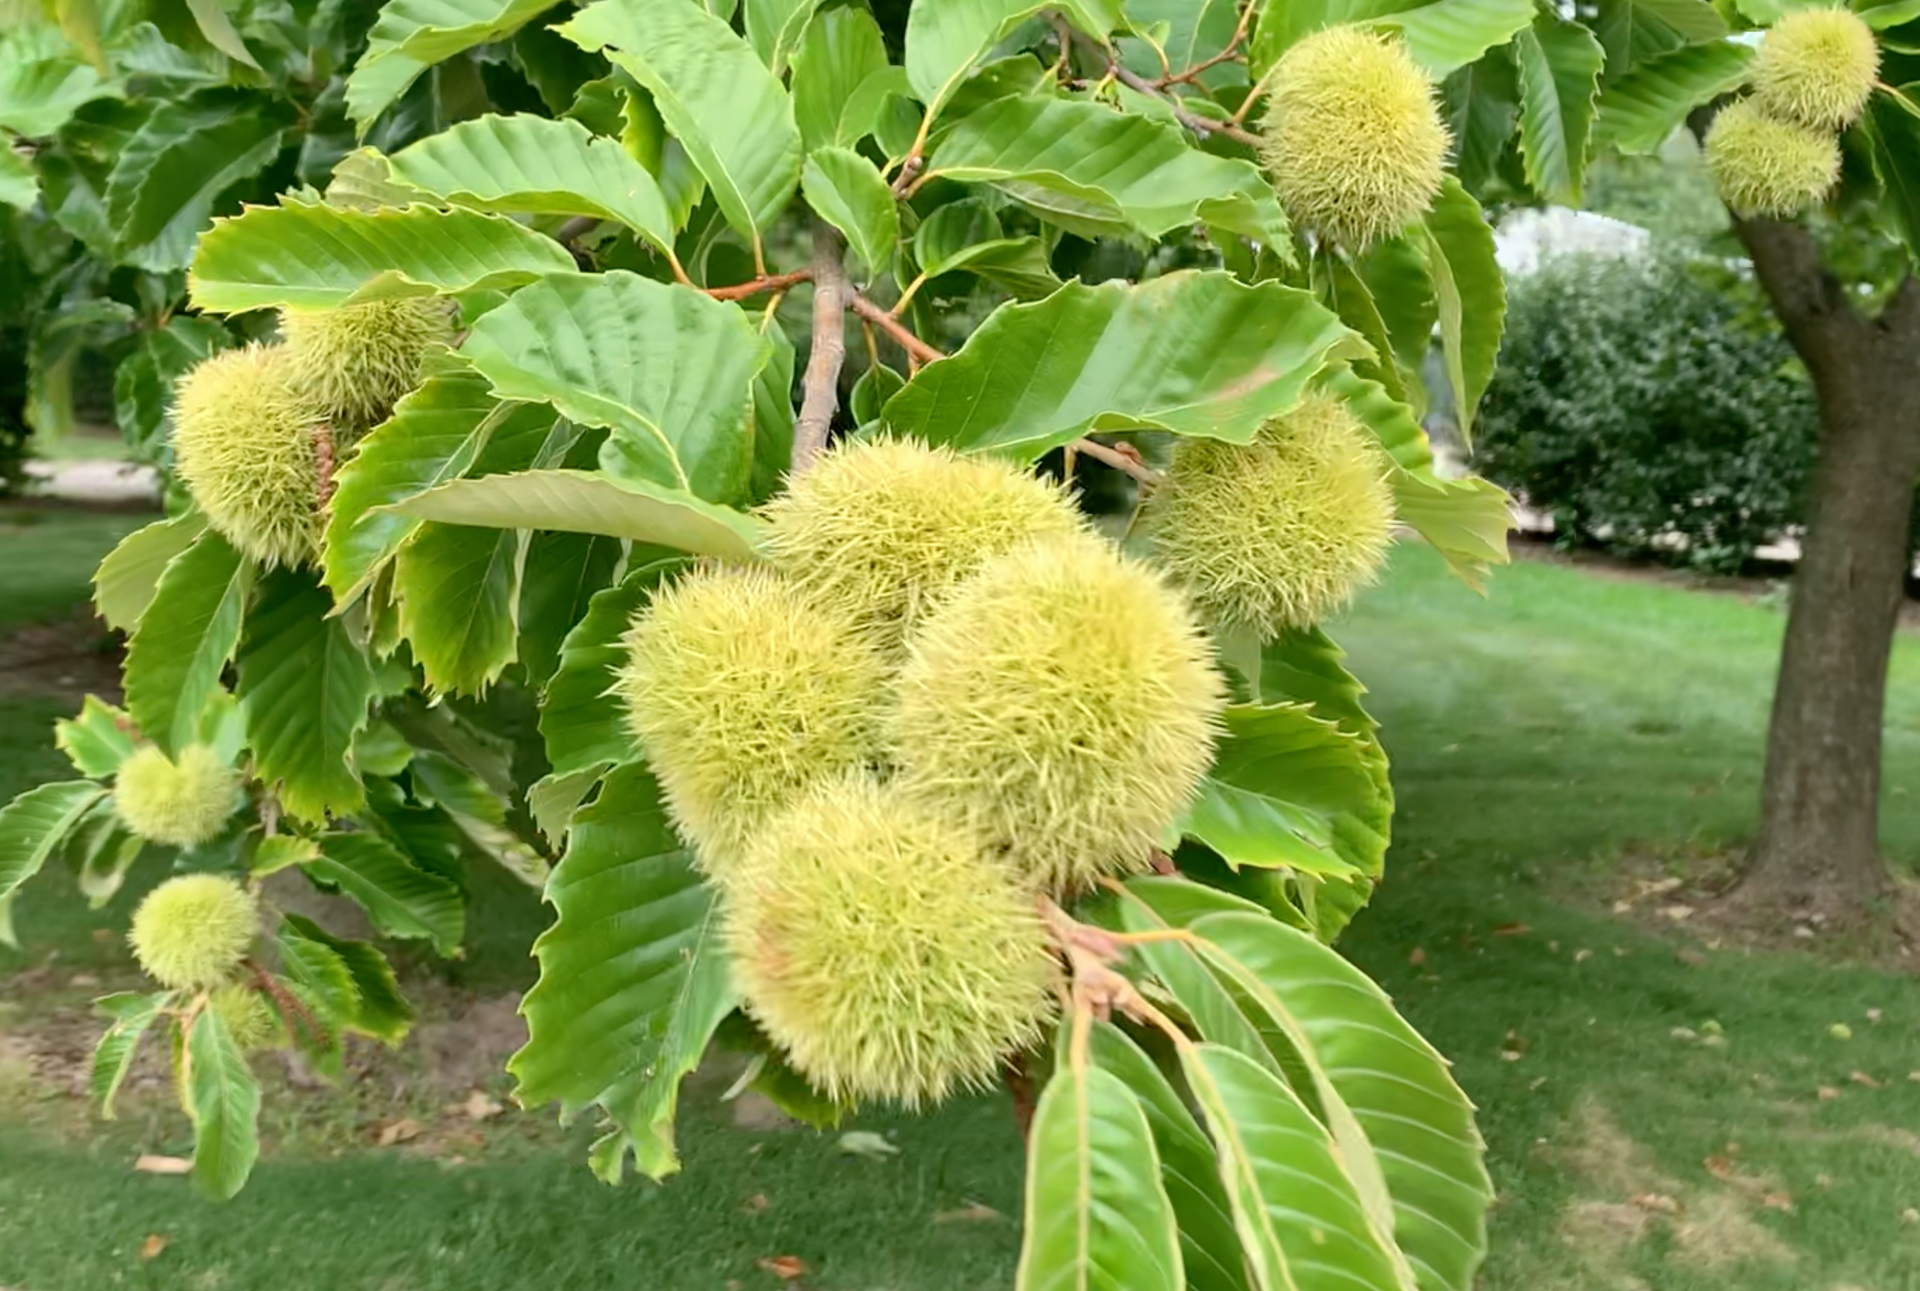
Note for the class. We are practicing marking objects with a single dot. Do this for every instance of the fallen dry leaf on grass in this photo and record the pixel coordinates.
(398, 1132)
(155, 1243)
(1719, 1167)
(971, 1213)
(785, 1267)
(1417, 957)
(1777, 1201)
(1658, 1202)
(1826, 1093)
(478, 1107)
(1511, 930)
(1862, 1078)
(148, 1164)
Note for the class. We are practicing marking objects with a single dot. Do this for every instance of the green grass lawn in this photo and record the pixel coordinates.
(1551, 742)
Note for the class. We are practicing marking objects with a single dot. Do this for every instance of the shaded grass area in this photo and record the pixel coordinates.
(1550, 743)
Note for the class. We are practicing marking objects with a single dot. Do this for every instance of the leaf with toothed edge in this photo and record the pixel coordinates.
(223, 1099)
(583, 502)
(185, 638)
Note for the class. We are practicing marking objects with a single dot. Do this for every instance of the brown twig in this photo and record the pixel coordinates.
(760, 286)
(1198, 124)
(1231, 52)
(323, 462)
(1026, 1099)
(1121, 457)
(821, 388)
(910, 168)
(893, 327)
(291, 1006)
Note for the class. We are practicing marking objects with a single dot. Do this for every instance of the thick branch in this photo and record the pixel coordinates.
(1812, 303)
(821, 388)
(1901, 317)
(899, 331)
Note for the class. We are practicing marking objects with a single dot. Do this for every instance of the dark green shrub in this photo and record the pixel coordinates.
(1650, 405)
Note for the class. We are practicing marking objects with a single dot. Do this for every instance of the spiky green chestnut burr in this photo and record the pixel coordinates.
(355, 361)
(1768, 167)
(1061, 706)
(885, 528)
(179, 804)
(741, 690)
(1816, 68)
(877, 945)
(1352, 135)
(191, 932)
(244, 443)
(249, 1019)
(1280, 532)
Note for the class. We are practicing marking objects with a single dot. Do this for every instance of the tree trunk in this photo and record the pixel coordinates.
(1818, 848)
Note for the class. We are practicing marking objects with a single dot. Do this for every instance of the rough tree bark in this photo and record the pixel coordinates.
(1818, 848)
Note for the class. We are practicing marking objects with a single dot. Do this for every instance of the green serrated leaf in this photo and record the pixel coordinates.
(563, 572)
(1097, 1213)
(678, 418)
(1560, 65)
(1482, 103)
(412, 35)
(304, 688)
(1640, 110)
(1449, 34)
(1636, 31)
(458, 589)
(96, 740)
(583, 502)
(143, 383)
(1209, 1244)
(1097, 172)
(185, 638)
(841, 49)
(846, 190)
(400, 898)
(581, 727)
(553, 799)
(532, 165)
(479, 814)
(1471, 291)
(714, 94)
(281, 851)
(223, 1099)
(320, 257)
(947, 38)
(1193, 353)
(774, 29)
(1396, 1088)
(633, 979)
(19, 185)
(38, 96)
(1893, 133)
(435, 434)
(219, 31)
(1280, 776)
(1301, 1220)
(113, 1055)
(381, 1012)
(165, 179)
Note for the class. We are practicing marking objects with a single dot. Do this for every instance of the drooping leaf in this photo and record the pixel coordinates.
(223, 1099)
(113, 1054)
(304, 688)
(1194, 353)
(841, 49)
(219, 30)
(97, 740)
(1209, 1246)
(400, 898)
(1300, 1217)
(1097, 1213)
(1398, 1089)
(37, 96)
(458, 590)
(537, 166)
(1098, 172)
(1635, 31)
(479, 814)
(774, 29)
(947, 38)
(1482, 102)
(1449, 34)
(846, 190)
(582, 727)
(163, 185)
(19, 185)
(380, 1010)
(412, 35)
(1560, 65)
(580, 502)
(1280, 777)
(436, 434)
(319, 257)
(125, 583)
(100, 850)
(714, 94)
(633, 978)
(967, 235)
(1893, 134)
(1640, 110)
(665, 367)
(185, 638)
(563, 572)
(33, 824)
(1338, 282)
(553, 799)
(1471, 291)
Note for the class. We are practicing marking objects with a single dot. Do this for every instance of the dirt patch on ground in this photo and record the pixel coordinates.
(66, 659)
(1626, 1198)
